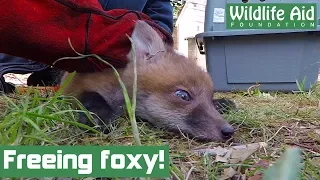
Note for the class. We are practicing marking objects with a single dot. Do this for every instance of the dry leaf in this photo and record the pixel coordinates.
(263, 163)
(228, 173)
(234, 154)
(215, 151)
(221, 159)
(241, 153)
(225, 158)
(255, 177)
(221, 151)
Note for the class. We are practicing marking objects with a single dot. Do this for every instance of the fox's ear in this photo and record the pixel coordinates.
(146, 40)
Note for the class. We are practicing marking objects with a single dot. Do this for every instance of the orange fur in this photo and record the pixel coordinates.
(161, 72)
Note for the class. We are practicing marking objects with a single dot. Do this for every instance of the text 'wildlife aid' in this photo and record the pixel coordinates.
(271, 16)
(84, 161)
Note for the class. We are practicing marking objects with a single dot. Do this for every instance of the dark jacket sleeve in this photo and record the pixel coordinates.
(160, 11)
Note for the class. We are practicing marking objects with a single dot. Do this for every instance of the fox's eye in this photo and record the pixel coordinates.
(183, 95)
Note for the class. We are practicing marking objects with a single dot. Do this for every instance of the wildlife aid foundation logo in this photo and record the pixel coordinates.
(84, 161)
(271, 16)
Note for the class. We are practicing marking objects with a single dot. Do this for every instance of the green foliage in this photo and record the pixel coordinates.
(30, 118)
(302, 85)
(177, 6)
(288, 167)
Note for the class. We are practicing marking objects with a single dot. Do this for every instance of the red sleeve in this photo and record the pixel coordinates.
(39, 30)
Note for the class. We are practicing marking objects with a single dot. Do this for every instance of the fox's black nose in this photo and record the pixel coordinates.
(227, 131)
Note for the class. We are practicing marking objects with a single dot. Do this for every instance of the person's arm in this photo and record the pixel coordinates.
(160, 11)
(41, 31)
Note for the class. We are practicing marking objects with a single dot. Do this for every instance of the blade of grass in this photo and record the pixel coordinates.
(26, 103)
(40, 139)
(64, 121)
(62, 87)
(134, 94)
(13, 131)
(124, 89)
(11, 102)
(175, 170)
(33, 124)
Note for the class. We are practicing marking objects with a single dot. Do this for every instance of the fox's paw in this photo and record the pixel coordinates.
(104, 114)
(225, 105)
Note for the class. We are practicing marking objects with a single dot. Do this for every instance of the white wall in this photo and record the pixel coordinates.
(191, 22)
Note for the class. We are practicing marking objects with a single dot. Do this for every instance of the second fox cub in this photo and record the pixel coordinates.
(173, 92)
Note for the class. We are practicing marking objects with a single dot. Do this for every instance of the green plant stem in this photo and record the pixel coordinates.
(130, 108)
(134, 94)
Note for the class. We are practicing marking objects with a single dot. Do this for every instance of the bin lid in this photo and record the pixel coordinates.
(216, 16)
(251, 32)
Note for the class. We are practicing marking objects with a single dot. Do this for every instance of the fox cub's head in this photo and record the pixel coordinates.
(173, 91)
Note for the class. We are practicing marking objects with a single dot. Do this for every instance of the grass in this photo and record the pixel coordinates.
(279, 119)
